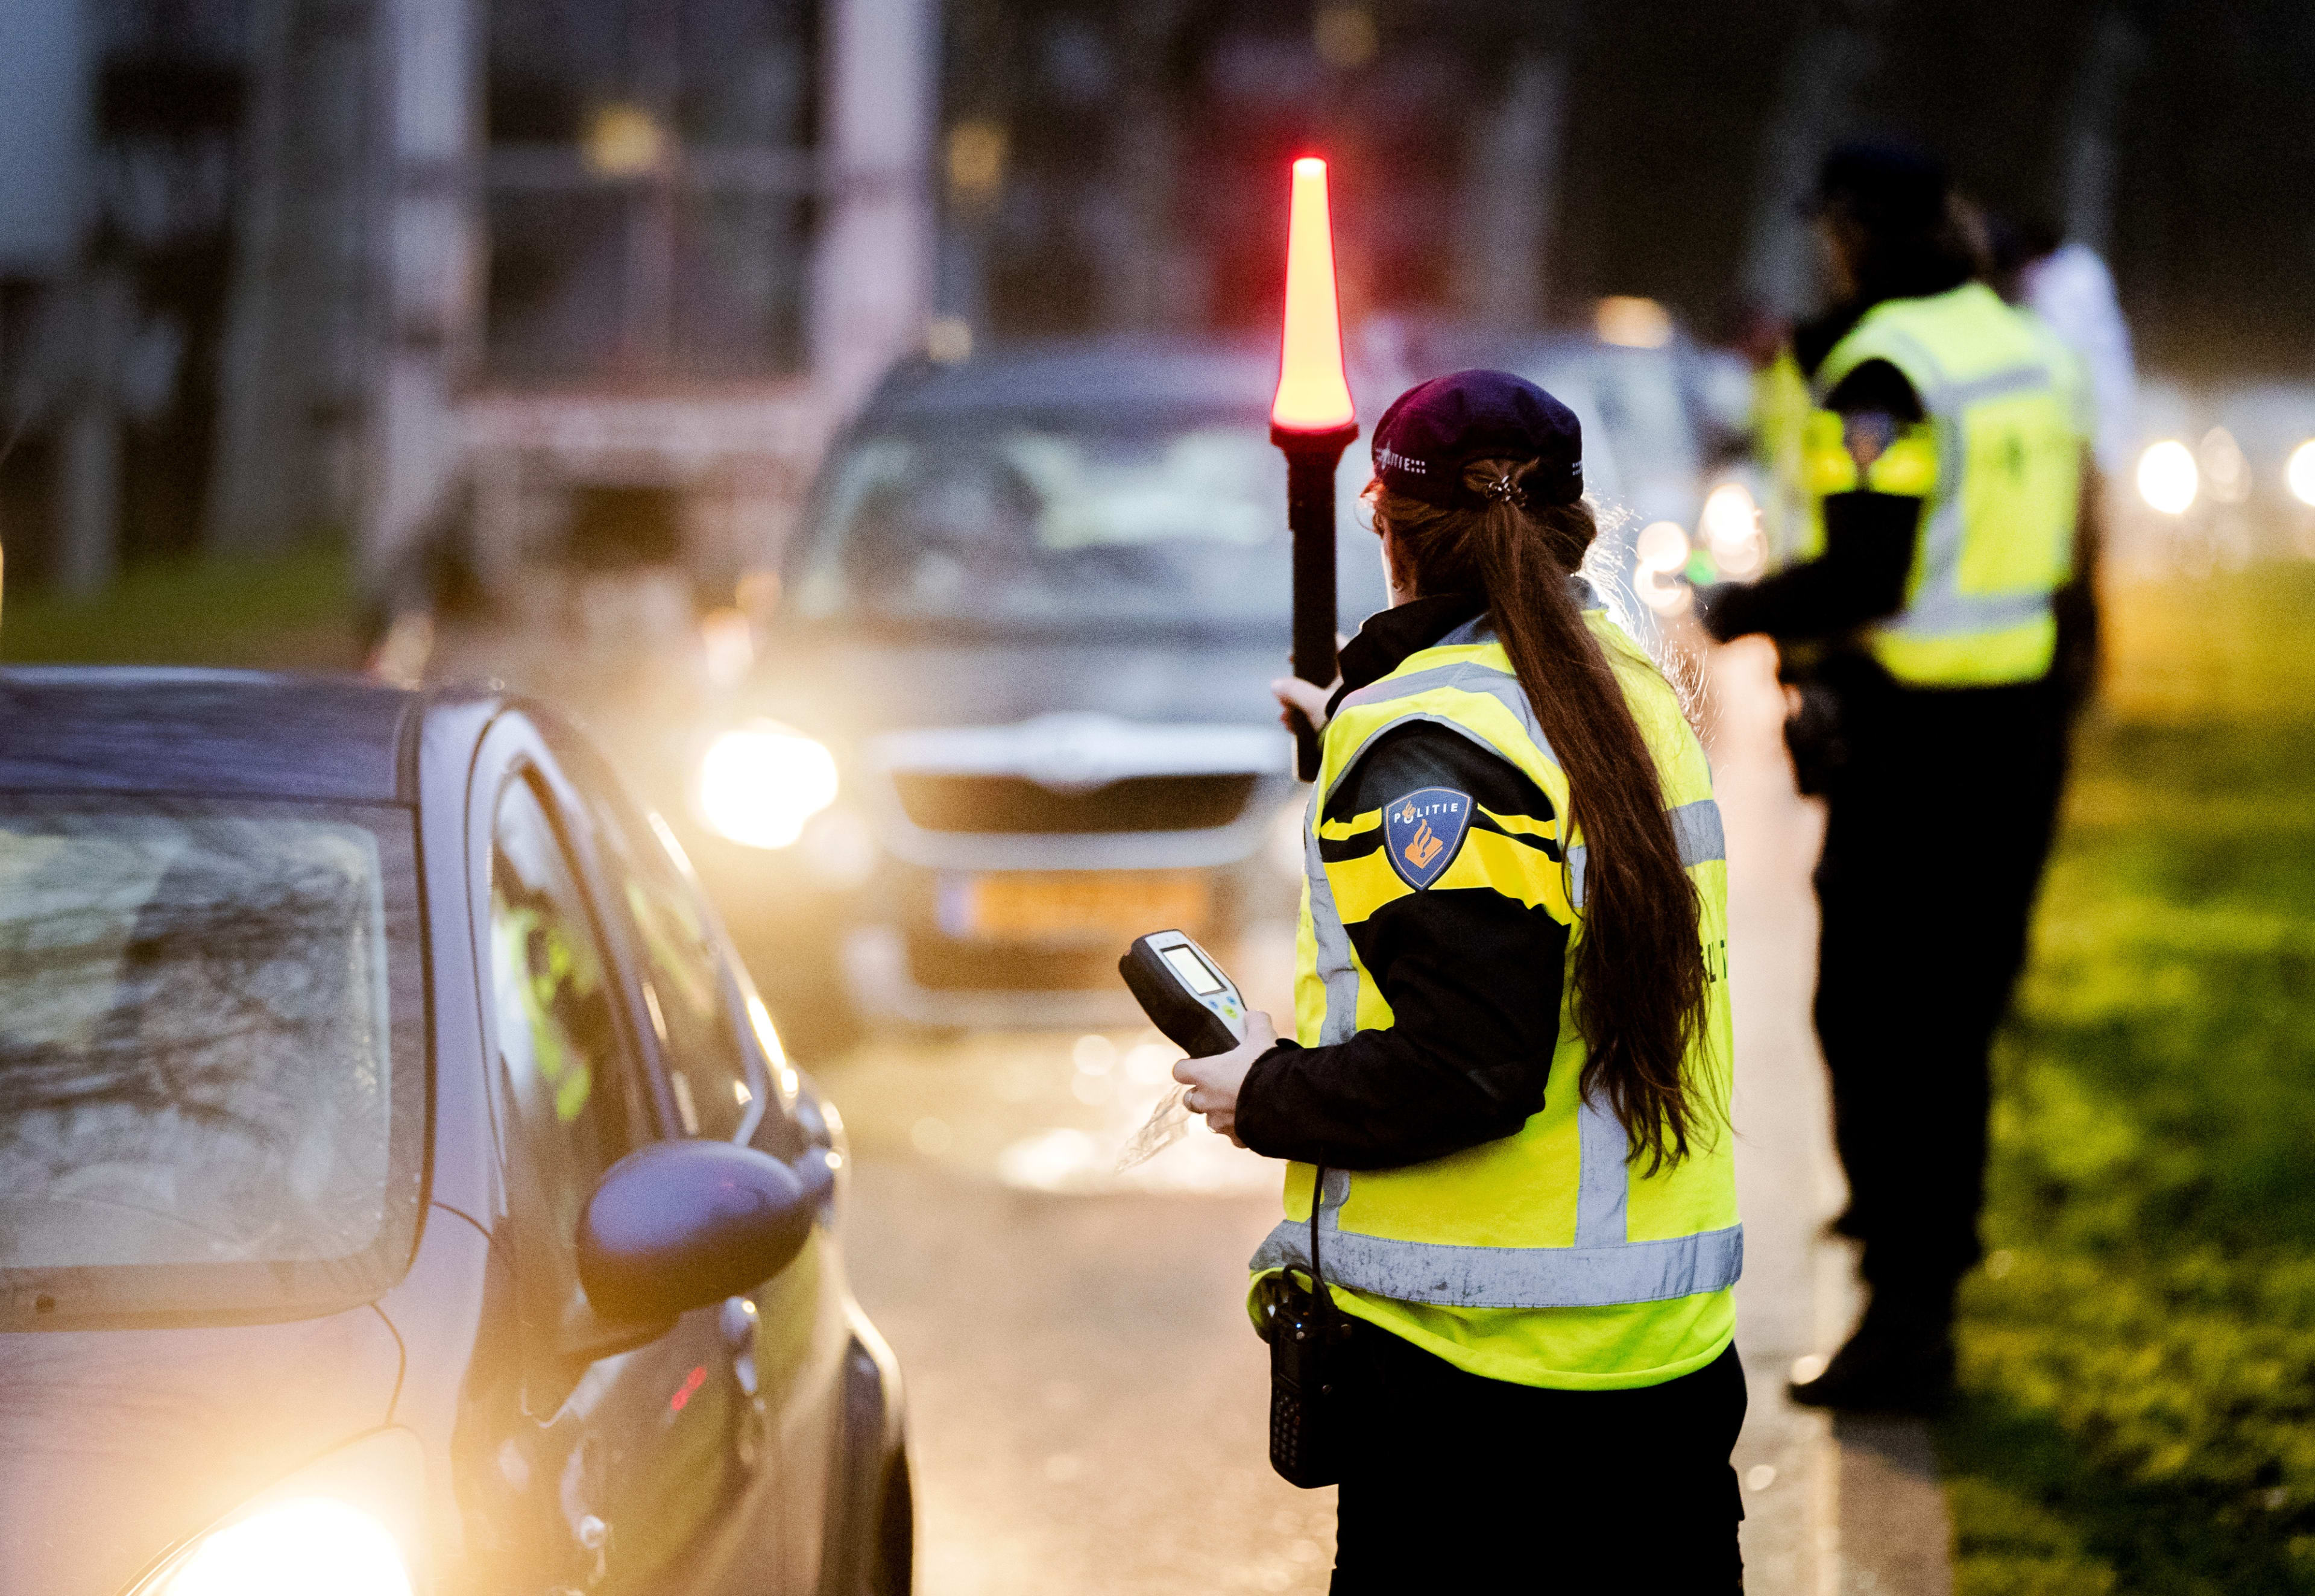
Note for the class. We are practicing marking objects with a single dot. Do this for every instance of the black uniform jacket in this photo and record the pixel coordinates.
(1472, 977)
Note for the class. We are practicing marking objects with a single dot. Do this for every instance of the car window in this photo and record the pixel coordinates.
(212, 1058)
(571, 1086)
(691, 1003)
(1640, 401)
(1028, 519)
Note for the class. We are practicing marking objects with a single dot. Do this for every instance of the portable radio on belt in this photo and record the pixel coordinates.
(1312, 1352)
(1185, 993)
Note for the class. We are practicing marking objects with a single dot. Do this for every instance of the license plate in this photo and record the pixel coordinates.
(1072, 905)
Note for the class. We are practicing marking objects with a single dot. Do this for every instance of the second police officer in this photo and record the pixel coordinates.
(1937, 618)
(1509, 1102)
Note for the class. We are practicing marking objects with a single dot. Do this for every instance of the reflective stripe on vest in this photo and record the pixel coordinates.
(1603, 1268)
(1695, 826)
(1955, 630)
(1443, 1275)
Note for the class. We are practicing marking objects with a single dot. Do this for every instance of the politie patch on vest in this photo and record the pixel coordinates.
(1422, 831)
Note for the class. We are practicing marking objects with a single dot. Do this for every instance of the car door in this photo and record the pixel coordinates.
(791, 1329)
(628, 1440)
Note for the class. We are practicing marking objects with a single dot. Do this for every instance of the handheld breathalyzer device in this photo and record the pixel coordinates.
(1186, 996)
(1185, 993)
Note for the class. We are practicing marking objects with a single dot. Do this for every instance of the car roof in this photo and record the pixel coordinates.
(1146, 373)
(1088, 373)
(217, 734)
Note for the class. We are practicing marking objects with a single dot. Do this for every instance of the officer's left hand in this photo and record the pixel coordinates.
(1214, 1080)
(1307, 700)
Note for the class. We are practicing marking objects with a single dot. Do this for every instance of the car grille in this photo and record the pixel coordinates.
(1015, 805)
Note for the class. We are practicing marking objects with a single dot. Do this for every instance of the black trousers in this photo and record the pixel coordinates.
(1456, 1483)
(1939, 821)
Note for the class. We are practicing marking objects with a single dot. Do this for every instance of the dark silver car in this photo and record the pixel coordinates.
(1012, 710)
(402, 1188)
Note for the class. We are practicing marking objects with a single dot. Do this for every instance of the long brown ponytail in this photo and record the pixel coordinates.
(1639, 975)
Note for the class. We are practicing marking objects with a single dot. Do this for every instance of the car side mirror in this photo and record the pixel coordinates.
(679, 1224)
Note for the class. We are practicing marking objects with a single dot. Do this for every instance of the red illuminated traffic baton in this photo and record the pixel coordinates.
(1313, 421)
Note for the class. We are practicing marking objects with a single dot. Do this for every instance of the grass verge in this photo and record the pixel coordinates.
(2138, 1355)
(294, 611)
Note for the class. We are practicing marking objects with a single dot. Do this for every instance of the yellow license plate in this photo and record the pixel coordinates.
(1073, 906)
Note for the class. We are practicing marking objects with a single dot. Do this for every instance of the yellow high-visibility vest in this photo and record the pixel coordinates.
(1997, 463)
(1547, 1257)
(1781, 414)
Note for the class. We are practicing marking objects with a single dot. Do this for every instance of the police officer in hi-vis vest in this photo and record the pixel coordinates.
(1939, 620)
(1508, 1084)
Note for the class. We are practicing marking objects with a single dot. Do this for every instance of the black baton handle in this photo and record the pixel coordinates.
(1310, 461)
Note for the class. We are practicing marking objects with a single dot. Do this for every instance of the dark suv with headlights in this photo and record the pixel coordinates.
(1013, 709)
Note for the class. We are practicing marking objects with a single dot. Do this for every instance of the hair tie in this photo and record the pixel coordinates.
(1503, 490)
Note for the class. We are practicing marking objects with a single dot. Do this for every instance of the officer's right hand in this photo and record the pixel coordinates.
(1214, 1080)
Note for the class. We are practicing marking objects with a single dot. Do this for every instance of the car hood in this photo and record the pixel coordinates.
(849, 686)
(115, 1445)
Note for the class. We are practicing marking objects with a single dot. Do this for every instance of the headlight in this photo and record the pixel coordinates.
(294, 1548)
(2299, 474)
(2168, 477)
(759, 784)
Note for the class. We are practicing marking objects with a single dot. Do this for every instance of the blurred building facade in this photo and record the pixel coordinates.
(532, 271)
(680, 248)
(123, 173)
(607, 273)
(601, 277)
(1122, 168)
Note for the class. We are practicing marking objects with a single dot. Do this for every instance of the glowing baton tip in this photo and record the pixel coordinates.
(1313, 394)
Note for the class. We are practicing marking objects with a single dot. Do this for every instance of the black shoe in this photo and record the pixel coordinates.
(1882, 1372)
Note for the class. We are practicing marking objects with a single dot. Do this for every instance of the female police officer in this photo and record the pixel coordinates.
(1510, 1091)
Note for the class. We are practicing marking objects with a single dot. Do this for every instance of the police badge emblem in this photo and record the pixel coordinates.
(1423, 831)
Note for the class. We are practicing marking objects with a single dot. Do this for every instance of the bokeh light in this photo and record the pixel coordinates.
(2167, 478)
(1632, 323)
(1661, 545)
(2299, 474)
(1730, 527)
(2223, 467)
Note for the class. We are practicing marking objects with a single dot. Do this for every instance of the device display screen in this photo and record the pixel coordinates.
(1193, 972)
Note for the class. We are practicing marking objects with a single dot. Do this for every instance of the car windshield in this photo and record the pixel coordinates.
(212, 1093)
(1639, 443)
(1029, 520)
